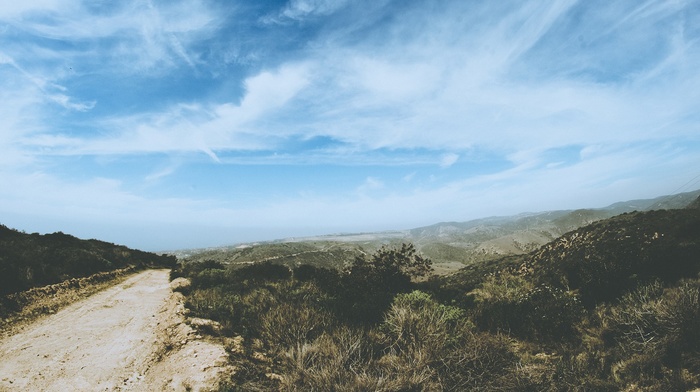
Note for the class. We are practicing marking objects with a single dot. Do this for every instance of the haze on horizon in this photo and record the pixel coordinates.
(193, 123)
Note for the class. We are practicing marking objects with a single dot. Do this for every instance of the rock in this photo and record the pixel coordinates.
(205, 325)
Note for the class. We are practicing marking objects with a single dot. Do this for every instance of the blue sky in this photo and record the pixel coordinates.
(192, 123)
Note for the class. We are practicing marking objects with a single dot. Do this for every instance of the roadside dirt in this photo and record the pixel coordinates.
(131, 337)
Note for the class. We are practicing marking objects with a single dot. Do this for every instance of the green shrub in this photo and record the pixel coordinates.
(209, 278)
(416, 323)
(510, 303)
(369, 285)
(548, 314)
(262, 272)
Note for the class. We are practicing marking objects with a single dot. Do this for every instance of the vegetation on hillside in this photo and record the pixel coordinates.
(31, 260)
(613, 306)
(450, 245)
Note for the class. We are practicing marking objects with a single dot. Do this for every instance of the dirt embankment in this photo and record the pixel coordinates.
(19, 309)
(130, 337)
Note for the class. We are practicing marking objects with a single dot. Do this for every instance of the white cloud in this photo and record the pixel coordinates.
(13, 9)
(447, 88)
(195, 127)
(448, 160)
(268, 90)
(301, 9)
(142, 37)
(390, 80)
(65, 101)
(371, 184)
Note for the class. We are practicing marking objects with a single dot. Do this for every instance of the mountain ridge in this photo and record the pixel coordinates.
(451, 245)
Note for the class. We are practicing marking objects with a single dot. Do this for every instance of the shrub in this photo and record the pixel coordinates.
(416, 323)
(292, 325)
(326, 279)
(681, 322)
(656, 338)
(209, 278)
(495, 301)
(479, 362)
(216, 304)
(262, 272)
(549, 314)
(369, 284)
(433, 346)
(634, 323)
(510, 303)
(332, 362)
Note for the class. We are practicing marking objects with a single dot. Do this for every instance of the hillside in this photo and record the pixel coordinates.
(605, 258)
(451, 245)
(30, 260)
(490, 238)
(613, 305)
(615, 255)
(695, 204)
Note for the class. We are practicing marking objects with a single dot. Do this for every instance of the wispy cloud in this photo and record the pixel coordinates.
(297, 9)
(371, 184)
(553, 102)
(211, 128)
(449, 160)
(131, 36)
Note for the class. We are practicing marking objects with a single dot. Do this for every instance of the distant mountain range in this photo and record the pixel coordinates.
(519, 234)
(450, 245)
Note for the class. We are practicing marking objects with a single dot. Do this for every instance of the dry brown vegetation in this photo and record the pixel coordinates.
(613, 306)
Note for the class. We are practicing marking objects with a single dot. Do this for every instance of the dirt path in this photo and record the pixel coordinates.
(122, 338)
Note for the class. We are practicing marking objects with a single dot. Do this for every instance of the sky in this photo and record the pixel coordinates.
(174, 124)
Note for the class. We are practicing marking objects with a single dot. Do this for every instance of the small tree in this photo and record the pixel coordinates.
(370, 284)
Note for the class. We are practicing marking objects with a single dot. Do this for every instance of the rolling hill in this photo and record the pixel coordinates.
(613, 305)
(29, 260)
(451, 245)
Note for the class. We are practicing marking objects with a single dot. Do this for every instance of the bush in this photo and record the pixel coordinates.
(495, 302)
(548, 314)
(369, 284)
(656, 338)
(262, 272)
(331, 362)
(209, 278)
(511, 304)
(416, 323)
(435, 347)
(292, 325)
(216, 304)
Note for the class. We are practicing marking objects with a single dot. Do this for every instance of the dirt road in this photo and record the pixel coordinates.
(131, 337)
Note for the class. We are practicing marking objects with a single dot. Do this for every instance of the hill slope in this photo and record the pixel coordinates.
(29, 260)
(491, 238)
(615, 255)
(610, 306)
(451, 245)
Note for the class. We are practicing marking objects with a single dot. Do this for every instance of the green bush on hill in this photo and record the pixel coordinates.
(30, 260)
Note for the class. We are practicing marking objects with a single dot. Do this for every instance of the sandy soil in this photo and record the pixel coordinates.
(130, 337)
